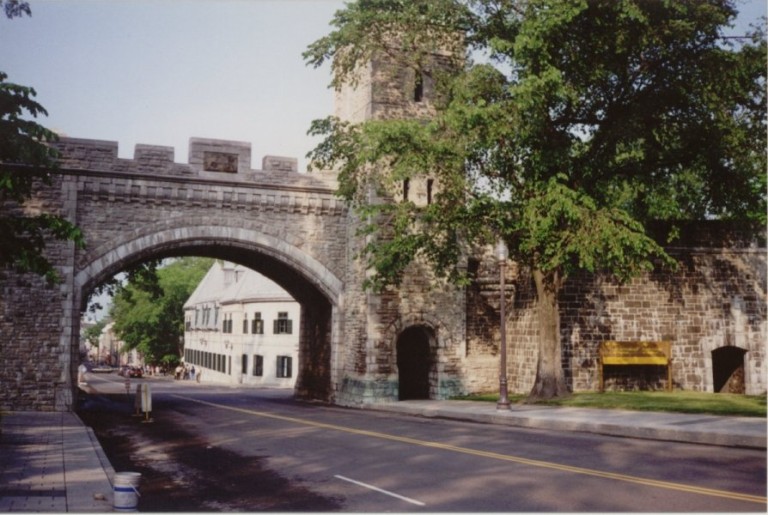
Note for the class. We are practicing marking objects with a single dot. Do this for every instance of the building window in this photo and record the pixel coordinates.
(283, 325)
(284, 365)
(227, 323)
(406, 188)
(257, 324)
(244, 363)
(245, 324)
(258, 365)
(430, 184)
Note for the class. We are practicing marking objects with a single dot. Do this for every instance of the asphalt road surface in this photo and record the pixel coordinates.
(215, 448)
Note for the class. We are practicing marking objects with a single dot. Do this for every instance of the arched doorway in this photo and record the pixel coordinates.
(414, 363)
(728, 369)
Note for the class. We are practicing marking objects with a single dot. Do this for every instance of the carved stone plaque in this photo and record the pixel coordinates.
(219, 162)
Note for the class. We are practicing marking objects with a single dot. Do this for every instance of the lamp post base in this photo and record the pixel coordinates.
(503, 402)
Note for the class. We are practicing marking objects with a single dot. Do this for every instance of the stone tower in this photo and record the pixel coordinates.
(404, 342)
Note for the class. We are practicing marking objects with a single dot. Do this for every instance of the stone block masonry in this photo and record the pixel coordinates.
(293, 228)
(715, 299)
(288, 224)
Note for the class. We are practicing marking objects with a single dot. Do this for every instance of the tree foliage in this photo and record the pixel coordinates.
(16, 8)
(93, 332)
(148, 310)
(565, 129)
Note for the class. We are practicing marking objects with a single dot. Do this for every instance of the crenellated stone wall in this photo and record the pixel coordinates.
(289, 225)
(293, 228)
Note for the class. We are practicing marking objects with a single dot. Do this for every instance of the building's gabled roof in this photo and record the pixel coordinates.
(210, 287)
(250, 286)
(226, 283)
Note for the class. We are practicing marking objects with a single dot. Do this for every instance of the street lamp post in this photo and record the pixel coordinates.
(502, 254)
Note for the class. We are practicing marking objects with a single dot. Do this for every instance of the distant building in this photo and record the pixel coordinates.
(241, 328)
(111, 350)
(87, 351)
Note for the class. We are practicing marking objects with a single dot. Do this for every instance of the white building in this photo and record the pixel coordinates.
(241, 328)
(112, 351)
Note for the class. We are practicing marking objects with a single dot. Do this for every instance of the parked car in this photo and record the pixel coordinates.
(135, 372)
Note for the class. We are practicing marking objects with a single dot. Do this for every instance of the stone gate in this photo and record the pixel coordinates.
(287, 225)
(354, 344)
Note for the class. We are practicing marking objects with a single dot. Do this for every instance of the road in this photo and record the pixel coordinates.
(337, 459)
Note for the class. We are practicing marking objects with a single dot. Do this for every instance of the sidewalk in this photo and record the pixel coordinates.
(52, 462)
(674, 427)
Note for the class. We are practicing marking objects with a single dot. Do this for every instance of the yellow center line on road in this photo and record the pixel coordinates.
(497, 456)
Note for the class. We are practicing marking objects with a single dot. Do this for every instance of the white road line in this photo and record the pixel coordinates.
(407, 499)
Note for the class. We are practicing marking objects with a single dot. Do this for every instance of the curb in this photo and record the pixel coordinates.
(727, 436)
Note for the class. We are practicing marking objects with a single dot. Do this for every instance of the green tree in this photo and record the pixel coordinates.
(26, 159)
(16, 8)
(149, 311)
(92, 333)
(583, 122)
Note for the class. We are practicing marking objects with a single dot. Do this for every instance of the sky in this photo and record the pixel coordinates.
(160, 72)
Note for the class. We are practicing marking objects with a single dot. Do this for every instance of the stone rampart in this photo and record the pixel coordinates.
(715, 299)
(289, 225)
(292, 228)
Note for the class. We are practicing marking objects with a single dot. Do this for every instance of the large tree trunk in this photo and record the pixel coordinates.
(550, 380)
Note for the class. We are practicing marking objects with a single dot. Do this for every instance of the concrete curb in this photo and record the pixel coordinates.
(746, 432)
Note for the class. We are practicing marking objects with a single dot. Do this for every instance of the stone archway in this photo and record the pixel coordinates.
(315, 287)
(415, 363)
(728, 370)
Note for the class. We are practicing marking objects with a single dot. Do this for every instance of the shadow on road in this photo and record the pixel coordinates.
(182, 471)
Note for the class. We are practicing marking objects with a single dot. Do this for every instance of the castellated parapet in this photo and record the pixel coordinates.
(208, 159)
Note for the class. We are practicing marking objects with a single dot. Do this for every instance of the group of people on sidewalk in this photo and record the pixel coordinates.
(184, 372)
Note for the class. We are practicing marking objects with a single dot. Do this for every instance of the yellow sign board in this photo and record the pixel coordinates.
(636, 353)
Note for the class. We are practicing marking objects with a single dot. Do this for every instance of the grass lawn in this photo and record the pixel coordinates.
(681, 402)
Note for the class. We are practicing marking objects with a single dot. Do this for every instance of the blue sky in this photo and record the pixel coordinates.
(162, 71)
